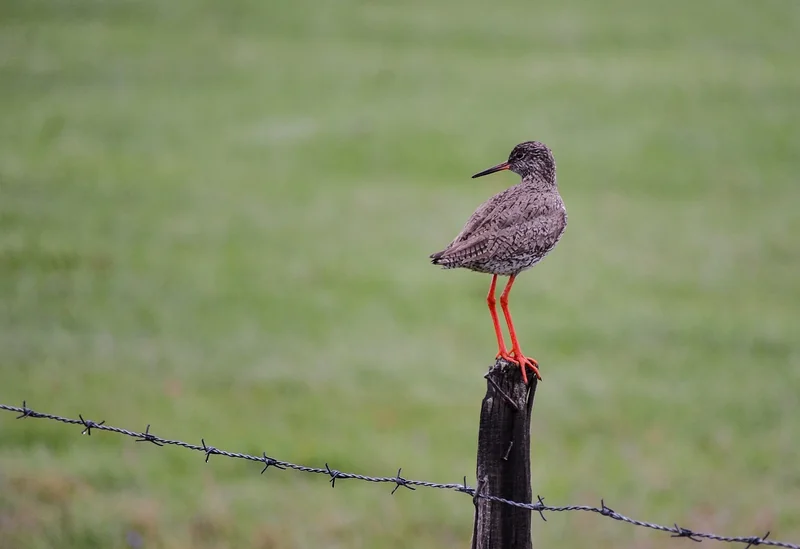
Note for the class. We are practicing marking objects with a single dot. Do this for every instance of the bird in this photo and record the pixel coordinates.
(510, 233)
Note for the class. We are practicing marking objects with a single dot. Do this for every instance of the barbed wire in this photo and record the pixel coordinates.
(398, 481)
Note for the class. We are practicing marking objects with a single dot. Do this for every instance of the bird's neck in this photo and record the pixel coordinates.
(540, 181)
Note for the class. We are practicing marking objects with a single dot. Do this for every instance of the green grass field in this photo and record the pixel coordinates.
(215, 218)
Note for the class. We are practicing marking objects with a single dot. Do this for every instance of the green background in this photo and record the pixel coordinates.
(215, 218)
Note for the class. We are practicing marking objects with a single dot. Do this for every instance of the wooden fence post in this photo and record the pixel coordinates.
(504, 459)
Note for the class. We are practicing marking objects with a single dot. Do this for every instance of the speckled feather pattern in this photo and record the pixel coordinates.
(516, 228)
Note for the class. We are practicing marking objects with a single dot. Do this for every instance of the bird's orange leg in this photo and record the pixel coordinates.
(518, 358)
(498, 332)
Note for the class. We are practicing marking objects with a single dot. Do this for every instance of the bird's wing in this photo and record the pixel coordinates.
(506, 236)
(463, 251)
(535, 236)
(468, 242)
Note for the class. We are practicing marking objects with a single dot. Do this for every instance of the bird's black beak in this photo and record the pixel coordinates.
(500, 167)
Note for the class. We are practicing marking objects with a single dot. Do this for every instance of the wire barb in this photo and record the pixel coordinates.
(684, 533)
(398, 481)
(541, 506)
(209, 449)
(334, 474)
(270, 462)
(89, 425)
(757, 541)
(26, 412)
(147, 436)
(464, 488)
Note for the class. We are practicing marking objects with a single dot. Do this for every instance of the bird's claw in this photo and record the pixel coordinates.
(522, 361)
(530, 363)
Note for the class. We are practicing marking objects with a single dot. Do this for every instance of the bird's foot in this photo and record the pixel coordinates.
(516, 357)
(505, 355)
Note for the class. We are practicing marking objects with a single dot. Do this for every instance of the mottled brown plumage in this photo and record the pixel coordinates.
(512, 231)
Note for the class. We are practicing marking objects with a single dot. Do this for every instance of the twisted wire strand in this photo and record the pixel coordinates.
(539, 506)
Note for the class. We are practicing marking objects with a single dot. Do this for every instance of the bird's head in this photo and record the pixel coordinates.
(527, 159)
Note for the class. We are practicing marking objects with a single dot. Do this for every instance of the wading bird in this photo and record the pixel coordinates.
(511, 232)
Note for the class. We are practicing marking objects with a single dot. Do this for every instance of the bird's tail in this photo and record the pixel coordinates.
(439, 258)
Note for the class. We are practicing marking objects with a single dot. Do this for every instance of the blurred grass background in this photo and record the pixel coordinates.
(215, 218)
